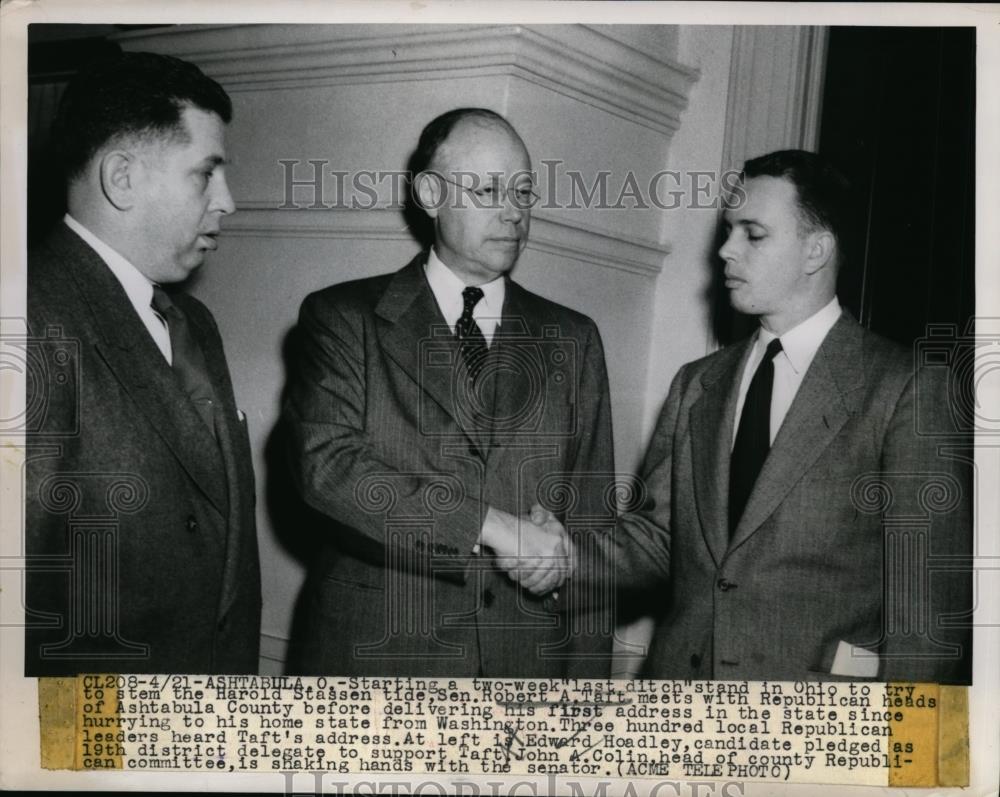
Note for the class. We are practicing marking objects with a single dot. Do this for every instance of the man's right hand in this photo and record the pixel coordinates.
(534, 551)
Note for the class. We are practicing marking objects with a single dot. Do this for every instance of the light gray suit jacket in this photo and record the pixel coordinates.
(857, 530)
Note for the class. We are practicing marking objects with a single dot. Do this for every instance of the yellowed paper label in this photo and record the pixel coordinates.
(912, 735)
(57, 721)
(953, 736)
(79, 723)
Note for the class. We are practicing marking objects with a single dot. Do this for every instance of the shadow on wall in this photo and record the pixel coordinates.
(303, 532)
(728, 326)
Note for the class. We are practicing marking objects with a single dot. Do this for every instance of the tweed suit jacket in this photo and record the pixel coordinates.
(856, 532)
(124, 480)
(388, 439)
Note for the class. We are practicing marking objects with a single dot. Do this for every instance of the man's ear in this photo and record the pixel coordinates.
(821, 247)
(119, 174)
(429, 194)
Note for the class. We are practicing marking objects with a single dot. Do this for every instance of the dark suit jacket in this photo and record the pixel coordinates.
(140, 529)
(834, 543)
(387, 440)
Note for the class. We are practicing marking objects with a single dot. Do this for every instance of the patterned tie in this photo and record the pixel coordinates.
(188, 358)
(468, 334)
(753, 437)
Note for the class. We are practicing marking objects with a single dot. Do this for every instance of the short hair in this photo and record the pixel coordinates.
(823, 193)
(129, 94)
(436, 132)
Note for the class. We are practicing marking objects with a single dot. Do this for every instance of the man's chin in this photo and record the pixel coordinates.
(505, 264)
(183, 271)
(740, 303)
(497, 267)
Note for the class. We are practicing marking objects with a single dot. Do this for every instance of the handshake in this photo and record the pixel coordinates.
(535, 550)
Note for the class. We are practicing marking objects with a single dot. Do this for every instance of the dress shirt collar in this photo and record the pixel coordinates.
(447, 288)
(801, 342)
(137, 285)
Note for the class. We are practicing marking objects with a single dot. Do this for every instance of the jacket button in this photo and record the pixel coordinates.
(488, 598)
(192, 524)
(695, 660)
(725, 586)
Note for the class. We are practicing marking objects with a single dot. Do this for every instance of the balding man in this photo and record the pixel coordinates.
(802, 522)
(140, 522)
(429, 410)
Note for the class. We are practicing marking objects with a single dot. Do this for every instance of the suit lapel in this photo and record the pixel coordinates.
(125, 345)
(823, 404)
(712, 419)
(235, 454)
(417, 338)
(515, 394)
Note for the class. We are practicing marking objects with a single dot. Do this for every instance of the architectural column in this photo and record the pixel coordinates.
(775, 90)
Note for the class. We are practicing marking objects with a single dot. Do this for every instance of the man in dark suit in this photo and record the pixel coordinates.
(429, 410)
(140, 528)
(806, 523)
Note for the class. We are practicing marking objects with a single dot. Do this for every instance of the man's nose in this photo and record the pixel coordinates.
(222, 201)
(509, 211)
(728, 249)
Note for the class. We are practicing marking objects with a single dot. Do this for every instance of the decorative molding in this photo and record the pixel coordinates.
(813, 49)
(601, 247)
(549, 234)
(775, 90)
(262, 220)
(574, 60)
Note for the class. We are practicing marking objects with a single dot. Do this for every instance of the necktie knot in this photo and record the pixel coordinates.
(471, 297)
(773, 349)
(467, 327)
(161, 301)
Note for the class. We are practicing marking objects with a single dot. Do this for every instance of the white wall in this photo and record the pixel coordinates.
(681, 329)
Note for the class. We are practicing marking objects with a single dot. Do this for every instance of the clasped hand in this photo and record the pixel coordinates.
(535, 550)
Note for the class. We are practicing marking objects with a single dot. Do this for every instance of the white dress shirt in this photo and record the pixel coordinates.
(447, 288)
(137, 286)
(798, 348)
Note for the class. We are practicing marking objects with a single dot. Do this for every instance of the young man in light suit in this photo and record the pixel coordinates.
(798, 512)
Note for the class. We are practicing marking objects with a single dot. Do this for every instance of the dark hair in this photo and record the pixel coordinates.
(439, 128)
(131, 94)
(823, 192)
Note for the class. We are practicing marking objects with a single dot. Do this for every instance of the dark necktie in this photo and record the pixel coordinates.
(188, 358)
(468, 334)
(753, 437)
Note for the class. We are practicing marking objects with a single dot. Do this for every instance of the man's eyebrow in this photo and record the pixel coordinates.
(213, 160)
(744, 223)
